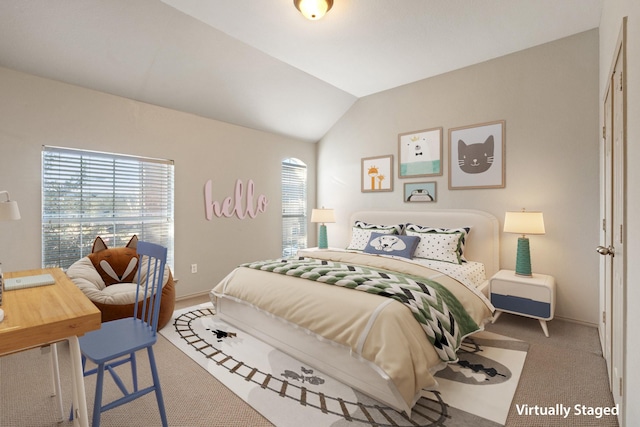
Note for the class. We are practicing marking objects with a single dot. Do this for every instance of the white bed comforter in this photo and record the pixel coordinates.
(379, 330)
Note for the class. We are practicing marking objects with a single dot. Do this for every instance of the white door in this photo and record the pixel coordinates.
(614, 222)
(618, 286)
(607, 226)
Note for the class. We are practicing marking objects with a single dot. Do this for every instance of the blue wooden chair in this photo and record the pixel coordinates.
(117, 341)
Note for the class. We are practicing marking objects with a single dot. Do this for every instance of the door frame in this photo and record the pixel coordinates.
(613, 181)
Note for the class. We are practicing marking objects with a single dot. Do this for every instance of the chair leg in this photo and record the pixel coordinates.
(156, 383)
(97, 405)
(134, 371)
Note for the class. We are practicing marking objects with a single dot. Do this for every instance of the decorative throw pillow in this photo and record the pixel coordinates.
(392, 244)
(440, 244)
(361, 233)
(117, 265)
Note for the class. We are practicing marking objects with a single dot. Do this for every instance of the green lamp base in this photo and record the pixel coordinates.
(322, 238)
(523, 258)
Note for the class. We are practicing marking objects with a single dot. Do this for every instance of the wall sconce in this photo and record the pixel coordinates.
(8, 211)
(523, 223)
(313, 9)
(8, 208)
(323, 216)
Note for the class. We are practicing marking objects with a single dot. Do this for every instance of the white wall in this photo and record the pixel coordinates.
(548, 96)
(36, 112)
(610, 24)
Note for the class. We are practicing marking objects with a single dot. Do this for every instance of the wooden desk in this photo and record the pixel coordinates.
(47, 314)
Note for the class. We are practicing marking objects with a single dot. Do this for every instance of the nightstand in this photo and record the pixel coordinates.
(533, 296)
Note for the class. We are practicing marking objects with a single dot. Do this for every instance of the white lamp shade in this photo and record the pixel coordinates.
(524, 222)
(8, 209)
(323, 215)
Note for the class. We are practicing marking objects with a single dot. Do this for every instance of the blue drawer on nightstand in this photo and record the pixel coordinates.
(521, 305)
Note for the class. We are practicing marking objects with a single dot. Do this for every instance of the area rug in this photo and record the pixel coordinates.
(476, 391)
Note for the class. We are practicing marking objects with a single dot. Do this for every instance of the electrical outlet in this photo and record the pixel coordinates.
(194, 268)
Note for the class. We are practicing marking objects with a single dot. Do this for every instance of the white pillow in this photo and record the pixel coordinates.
(440, 244)
(361, 233)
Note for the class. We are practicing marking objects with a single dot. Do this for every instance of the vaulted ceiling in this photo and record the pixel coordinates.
(259, 63)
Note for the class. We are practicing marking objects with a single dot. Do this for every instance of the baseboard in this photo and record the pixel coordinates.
(579, 322)
(194, 295)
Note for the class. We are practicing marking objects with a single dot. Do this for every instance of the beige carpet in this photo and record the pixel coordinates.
(566, 368)
(192, 396)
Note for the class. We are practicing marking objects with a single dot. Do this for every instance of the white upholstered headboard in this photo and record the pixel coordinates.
(483, 244)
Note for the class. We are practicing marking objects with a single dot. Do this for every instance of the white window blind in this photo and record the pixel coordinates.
(86, 194)
(294, 206)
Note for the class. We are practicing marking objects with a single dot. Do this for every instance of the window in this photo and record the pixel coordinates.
(86, 194)
(294, 206)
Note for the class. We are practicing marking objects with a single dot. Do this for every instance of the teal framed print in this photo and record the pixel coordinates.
(420, 153)
(420, 192)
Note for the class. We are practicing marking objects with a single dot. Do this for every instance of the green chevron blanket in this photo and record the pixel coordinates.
(438, 311)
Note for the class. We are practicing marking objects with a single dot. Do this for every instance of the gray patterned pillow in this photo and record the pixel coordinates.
(392, 244)
(361, 233)
(440, 244)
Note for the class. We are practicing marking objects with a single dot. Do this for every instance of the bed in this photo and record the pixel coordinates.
(378, 341)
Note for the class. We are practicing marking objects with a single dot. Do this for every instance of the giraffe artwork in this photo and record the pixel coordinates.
(377, 174)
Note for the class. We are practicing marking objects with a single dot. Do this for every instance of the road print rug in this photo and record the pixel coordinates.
(476, 391)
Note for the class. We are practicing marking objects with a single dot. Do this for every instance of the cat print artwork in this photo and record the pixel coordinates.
(475, 158)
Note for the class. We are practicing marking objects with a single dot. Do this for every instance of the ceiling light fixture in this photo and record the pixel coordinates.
(313, 9)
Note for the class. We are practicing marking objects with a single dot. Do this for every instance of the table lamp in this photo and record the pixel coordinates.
(523, 223)
(8, 211)
(323, 216)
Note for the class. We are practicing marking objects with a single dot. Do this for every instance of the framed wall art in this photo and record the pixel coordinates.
(420, 153)
(477, 156)
(420, 192)
(377, 174)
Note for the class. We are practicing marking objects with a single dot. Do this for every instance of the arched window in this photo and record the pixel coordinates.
(294, 206)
